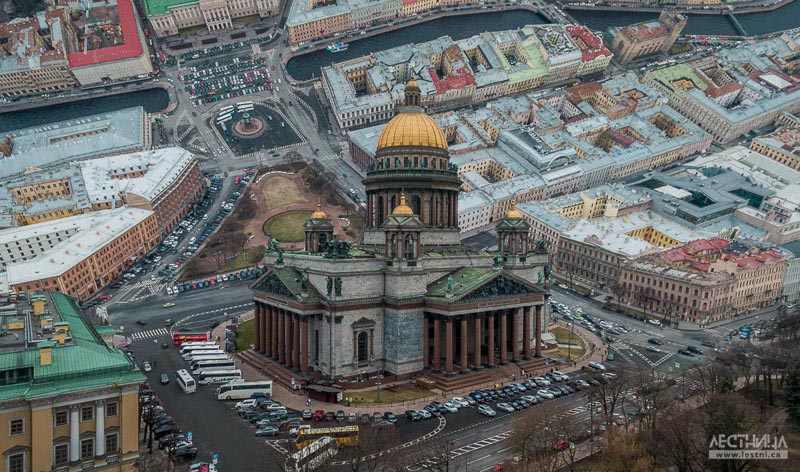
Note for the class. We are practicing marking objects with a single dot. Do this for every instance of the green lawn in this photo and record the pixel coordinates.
(245, 335)
(287, 227)
(245, 259)
(562, 336)
(391, 394)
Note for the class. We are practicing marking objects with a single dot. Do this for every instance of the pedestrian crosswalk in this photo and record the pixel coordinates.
(150, 334)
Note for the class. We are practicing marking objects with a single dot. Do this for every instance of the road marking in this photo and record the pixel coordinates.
(150, 334)
(479, 459)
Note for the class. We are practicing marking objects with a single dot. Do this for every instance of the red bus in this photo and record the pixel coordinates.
(179, 337)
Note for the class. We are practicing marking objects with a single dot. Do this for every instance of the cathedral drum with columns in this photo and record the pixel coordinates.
(411, 297)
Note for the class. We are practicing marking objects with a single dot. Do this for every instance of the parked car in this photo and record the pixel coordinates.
(412, 415)
(307, 414)
(544, 393)
(486, 410)
(164, 379)
(654, 341)
(185, 452)
(267, 431)
(146, 366)
(505, 407)
(597, 365)
(425, 414)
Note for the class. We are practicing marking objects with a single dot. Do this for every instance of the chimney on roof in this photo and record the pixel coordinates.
(46, 353)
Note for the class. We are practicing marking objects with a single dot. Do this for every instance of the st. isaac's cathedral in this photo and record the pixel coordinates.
(411, 297)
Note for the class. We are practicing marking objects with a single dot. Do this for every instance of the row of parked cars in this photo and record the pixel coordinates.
(376, 419)
(267, 416)
(162, 426)
(513, 397)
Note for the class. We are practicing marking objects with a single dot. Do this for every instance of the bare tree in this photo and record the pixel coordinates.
(436, 455)
(374, 452)
(536, 433)
(611, 393)
(625, 452)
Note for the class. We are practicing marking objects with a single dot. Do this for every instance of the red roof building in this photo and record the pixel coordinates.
(131, 48)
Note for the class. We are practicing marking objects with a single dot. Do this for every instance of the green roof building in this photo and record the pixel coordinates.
(68, 397)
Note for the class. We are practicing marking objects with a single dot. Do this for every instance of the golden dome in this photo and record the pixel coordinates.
(412, 83)
(319, 214)
(402, 209)
(513, 213)
(412, 129)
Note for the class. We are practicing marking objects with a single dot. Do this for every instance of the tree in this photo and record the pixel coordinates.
(247, 209)
(611, 394)
(435, 455)
(792, 394)
(375, 450)
(536, 432)
(625, 452)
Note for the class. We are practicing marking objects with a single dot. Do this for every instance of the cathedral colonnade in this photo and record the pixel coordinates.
(282, 335)
(474, 341)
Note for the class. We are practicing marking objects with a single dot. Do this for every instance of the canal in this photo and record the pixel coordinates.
(457, 27)
(152, 100)
(754, 23)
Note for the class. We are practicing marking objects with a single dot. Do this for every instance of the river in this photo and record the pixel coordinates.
(308, 65)
(457, 27)
(152, 100)
(754, 23)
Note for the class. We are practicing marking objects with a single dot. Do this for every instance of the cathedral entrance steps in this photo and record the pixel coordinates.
(275, 371)
(447, 383)
(534, 366)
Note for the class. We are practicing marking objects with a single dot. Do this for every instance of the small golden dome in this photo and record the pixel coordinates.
(319, 214)
(412, 129)
(402, 209)
(513, 213)
(412, 83)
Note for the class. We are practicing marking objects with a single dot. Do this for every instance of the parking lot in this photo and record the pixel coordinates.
(226, 78)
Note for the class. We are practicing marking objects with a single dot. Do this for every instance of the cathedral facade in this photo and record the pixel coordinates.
(410, 297)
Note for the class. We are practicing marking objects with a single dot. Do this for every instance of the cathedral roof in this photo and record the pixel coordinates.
(286, 282)
(480, 283)
(412, 127)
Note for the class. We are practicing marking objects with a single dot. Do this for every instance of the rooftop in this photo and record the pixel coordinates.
(161, 7)
(81, 138)
(80, 359)
(132, 46)
(88, 233)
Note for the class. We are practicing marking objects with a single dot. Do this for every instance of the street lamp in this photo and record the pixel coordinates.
(572, 449)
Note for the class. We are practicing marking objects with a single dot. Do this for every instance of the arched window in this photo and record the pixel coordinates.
(424, 162)
(323, 239)
(410, 249)
(416, 204)
(392, 203)
(390, 250)
(381, 214)
(363, 347)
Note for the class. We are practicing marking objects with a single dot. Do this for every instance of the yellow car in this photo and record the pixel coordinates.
(168, 305)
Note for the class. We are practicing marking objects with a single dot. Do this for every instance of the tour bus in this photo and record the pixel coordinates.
(206, 377)
(213, 365)
(195, 355)
(180, 337)
(224, 118)
(242, 390)
(313, 456)
(186, 382)
(343, 436)
(225, 109)
(201, 352)
(186, 347)
(209, 357)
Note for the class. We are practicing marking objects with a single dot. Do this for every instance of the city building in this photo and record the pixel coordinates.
(594, 233)
(116, 132)
(454, 74)
(409, 298)
(168, 17)
(59, 48)
(705, 280)
(69, 401)
(548, 143)
(166, 180)
(112, 47)
(791, 280)
(77, 255)
(33, 54)
(782, 145)
(735, 91)
(646, 38)
(735, 188)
